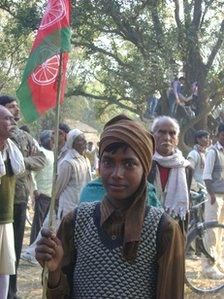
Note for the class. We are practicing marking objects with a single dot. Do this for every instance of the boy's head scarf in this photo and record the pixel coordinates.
(142, 143)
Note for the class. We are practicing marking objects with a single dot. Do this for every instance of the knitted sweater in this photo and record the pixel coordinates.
(100, 271)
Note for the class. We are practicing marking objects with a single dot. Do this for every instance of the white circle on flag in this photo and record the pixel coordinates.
(47, 72)
(55, 11)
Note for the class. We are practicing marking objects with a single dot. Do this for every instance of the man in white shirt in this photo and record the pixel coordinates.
(42, 184)
(197, 157)
(74, 172)
(214, 208)
(42, 181)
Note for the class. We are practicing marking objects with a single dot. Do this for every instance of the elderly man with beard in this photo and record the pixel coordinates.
(168, 173)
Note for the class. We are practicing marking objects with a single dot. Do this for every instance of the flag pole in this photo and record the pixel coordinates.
(51, 221)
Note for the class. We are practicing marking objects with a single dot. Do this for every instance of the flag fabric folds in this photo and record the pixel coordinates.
(37, 92)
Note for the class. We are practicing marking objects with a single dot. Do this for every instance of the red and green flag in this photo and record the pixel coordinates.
(38, 90)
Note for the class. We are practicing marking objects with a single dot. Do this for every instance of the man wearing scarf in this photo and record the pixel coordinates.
(168, 173)
(120, 247)
(11, 164)
(74, 172)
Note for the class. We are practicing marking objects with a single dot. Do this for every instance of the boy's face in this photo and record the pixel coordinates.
(121, 173)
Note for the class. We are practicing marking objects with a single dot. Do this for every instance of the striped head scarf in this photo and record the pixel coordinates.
(142, 143)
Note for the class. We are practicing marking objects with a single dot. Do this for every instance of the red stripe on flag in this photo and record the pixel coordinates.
(43, 83)
(56, 16)
(38, 89)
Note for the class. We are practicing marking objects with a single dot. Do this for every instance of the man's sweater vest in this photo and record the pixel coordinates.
(7, 191)
(218, 171)
(100, 271)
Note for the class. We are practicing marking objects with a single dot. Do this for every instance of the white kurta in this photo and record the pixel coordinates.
(7, 250)
(73, 175)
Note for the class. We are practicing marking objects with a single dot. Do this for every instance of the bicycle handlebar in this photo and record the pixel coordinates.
(199, 204)
(198, 196)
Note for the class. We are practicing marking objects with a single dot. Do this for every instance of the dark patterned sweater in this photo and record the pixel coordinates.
(100, 271)
(170, 259)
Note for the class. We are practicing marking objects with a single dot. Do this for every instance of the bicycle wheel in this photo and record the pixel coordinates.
(201, 255)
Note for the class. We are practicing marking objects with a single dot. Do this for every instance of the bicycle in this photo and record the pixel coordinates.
(198, 252)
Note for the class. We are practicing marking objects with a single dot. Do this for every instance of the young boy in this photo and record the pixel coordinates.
(120, 247)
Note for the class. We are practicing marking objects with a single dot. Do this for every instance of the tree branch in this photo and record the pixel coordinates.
(100, 50)
(109, 99)
(187, 13)
(157, 23)
(177, 14)
(197, 14)
(128, 32)
(139, 9)
(216, 47)
(207, 6)
(7, 9)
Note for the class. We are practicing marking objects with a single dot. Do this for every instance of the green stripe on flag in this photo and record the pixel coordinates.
(56, 43)
(29, 111)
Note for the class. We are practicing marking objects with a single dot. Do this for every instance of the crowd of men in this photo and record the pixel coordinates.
(119, 235)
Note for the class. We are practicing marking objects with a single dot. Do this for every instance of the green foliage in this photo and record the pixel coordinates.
(131, 48)
(18, 20)
(123, 50)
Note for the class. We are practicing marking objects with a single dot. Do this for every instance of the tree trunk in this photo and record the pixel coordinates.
(203, 99)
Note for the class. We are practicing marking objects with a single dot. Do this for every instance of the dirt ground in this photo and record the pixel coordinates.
(29, 276)
(29, 281)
